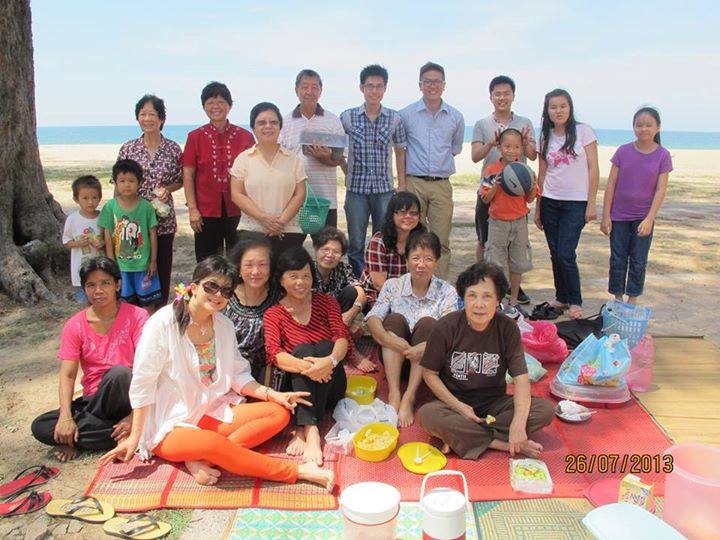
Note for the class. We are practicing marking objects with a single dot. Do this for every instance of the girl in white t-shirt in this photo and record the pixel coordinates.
(568, 179)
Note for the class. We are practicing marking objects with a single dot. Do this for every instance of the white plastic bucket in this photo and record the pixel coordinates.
(370, 511)
(443, 510)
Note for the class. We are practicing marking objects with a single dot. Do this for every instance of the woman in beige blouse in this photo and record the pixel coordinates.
(268, 184)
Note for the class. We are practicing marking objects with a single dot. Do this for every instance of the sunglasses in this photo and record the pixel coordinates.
(210, 287)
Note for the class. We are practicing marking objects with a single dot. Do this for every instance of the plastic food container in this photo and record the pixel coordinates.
(692, 490)
(361, 388)
(530, 476)
(369, 511)
(591, 395)
(443, 509)
(375, 430)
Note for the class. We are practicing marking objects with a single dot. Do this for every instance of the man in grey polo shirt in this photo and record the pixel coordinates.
(435, 133)
(484, 147)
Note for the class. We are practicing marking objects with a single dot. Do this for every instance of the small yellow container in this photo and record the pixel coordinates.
(375, 431)
(361, 388)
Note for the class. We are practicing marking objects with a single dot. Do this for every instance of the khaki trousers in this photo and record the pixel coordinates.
(468, 439)
(436, 213)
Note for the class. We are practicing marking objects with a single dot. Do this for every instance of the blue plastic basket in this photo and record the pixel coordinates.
(629, 321)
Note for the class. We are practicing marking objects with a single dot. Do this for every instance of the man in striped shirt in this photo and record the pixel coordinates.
(374, 132)
(320, 163)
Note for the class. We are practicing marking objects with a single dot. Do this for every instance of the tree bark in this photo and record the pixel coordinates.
(31, 250)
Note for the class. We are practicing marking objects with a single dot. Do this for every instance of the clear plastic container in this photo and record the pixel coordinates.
(594, 395)
(639, 378)
(530, 476)
(692, 490)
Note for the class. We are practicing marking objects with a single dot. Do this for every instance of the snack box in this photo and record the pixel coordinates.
(530, 476)
(634, 491)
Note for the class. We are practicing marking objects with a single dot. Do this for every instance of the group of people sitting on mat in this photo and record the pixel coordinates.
(183, 383)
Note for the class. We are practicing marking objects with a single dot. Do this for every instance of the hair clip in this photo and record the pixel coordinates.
(182, 292)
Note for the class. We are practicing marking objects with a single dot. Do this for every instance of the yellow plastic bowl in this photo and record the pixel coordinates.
(379, 454)
(361, 388)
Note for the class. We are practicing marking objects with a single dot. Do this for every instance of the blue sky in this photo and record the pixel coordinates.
(94, 59)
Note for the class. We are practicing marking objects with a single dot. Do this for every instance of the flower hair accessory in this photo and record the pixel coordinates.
(182, 291)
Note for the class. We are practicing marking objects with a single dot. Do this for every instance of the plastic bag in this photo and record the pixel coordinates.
(535, 370)
(639, 377)
(523, 325)
(598, 362)
(350, 416)
(543, 342)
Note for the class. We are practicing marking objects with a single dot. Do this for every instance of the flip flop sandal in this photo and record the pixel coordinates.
(83, 508)
(30, 502)
(24, 481)
(140, 527)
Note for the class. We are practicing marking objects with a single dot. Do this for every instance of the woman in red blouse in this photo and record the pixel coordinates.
(306, 339)
(209, 153)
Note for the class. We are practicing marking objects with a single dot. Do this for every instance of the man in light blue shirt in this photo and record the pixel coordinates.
(435, 133)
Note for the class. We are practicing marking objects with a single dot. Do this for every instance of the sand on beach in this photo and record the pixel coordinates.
(703, 162)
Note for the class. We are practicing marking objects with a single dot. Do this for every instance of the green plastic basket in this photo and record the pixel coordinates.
(313, 213)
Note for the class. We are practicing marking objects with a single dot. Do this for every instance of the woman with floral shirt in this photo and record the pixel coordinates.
(162, 175)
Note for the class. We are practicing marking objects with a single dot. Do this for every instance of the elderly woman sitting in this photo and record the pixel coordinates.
(405, 313)
(335, 277)
(101, 340)
(465, 362)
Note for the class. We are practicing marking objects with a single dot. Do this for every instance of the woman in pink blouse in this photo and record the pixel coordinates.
(162, 175)
(101, 340)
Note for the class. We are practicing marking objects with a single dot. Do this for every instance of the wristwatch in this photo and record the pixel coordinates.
(334, 361)
(357, 304)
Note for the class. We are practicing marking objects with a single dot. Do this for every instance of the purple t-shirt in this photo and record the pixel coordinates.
(637, 181)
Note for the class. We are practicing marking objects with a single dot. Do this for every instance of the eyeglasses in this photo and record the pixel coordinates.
(330, 251)
(263, 123)
(416, 259)
(432, 82)
(210, 287)
(367, 86)
(407, 213)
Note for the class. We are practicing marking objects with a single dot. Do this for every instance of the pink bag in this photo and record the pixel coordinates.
(639, 378)
(544, 343)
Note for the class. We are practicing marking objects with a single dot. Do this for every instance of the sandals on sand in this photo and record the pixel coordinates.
(83, 508)
(140, 527)
(545, 312)
(24, 504)
(29, 478)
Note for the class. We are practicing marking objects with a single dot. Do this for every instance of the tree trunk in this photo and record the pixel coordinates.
(31, 250)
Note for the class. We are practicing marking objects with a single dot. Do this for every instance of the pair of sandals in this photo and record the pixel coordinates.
(18, 494)
(91, 510)
(547, 312)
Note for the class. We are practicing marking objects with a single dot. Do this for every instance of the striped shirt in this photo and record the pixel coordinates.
(322, 178)
(433, 140)
(283, 333)
(370, 151)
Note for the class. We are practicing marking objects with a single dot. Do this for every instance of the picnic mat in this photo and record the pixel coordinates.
(254, 524)
(612, 433)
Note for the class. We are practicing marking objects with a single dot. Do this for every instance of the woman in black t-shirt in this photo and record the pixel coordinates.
(465, 362)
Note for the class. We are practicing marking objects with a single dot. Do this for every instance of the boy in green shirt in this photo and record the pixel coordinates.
(130, 228)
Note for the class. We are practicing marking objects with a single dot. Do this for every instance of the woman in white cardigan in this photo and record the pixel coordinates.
(189, 386)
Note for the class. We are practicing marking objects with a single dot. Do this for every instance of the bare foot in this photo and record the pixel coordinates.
(297, 444)
(575, 312)
(313, 446)
(394, 400)
(445, 448)
(363, 363)
(558, 305)
(64, 453)
(312, 473)
(202, 471)
(405, 414)
(531, 448)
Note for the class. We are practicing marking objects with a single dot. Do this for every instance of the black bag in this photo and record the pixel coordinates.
(574, 331)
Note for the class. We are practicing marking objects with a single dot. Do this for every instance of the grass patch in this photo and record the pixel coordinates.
(178, 520)
(68, 174)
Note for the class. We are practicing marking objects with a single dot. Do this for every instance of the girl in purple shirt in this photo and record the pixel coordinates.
(634, 194)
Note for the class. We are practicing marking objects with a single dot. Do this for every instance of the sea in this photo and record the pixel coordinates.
(681, 140)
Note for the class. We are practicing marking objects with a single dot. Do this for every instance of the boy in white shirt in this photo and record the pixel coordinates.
(81, 233)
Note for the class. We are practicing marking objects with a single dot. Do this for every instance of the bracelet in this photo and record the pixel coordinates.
(267, 393)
